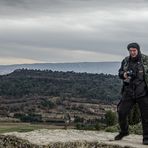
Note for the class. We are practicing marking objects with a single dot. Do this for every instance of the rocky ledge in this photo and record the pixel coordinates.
(45, 138)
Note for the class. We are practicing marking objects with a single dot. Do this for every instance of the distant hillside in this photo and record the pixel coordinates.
(89, 67)
(22, 82)
(35, 95)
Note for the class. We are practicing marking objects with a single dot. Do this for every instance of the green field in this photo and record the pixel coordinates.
(25, 127)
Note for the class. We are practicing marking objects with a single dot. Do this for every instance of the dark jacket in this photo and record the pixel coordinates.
(136, 87)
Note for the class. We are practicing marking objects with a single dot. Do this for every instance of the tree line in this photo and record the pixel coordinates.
(22, 82)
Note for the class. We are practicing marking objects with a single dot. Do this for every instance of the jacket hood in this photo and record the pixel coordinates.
(135, 45)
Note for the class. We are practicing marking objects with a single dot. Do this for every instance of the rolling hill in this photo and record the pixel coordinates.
(89, 67)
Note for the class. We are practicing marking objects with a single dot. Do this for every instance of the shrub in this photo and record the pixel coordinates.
(110, 118)
(112, 129)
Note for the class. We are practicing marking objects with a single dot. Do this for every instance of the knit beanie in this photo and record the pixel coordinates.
(134, 45)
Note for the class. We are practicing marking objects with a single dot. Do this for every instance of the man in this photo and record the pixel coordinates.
(134, 73)
(67, 120)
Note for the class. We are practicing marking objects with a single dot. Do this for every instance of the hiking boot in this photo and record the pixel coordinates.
(145, 141)
(121, 135)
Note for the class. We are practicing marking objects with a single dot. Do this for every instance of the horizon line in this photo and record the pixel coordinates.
(59, 63)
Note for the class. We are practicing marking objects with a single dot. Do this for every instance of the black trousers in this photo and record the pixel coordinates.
(124, 107)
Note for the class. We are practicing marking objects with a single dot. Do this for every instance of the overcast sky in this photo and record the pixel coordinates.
(38, 31)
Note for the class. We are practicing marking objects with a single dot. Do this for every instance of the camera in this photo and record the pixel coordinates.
(130, 75)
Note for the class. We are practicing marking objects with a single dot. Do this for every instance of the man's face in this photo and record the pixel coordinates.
(133, 52)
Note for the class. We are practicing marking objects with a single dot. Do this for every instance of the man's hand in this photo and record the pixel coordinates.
(125, 75)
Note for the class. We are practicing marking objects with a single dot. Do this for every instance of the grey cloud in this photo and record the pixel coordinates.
(32, 28)
(28, 8)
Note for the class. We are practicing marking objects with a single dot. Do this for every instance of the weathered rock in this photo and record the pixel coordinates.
(45, 138)
(14, 142)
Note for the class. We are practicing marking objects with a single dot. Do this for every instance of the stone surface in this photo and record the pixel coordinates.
(77, 139)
